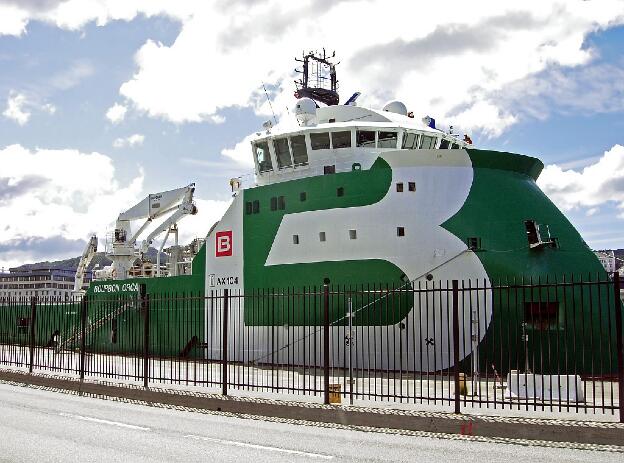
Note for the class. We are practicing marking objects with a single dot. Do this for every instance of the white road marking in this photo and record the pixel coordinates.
(261, 447)
(98, 420)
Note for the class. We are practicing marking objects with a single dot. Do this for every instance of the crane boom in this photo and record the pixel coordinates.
(83, 263)
(124, 253)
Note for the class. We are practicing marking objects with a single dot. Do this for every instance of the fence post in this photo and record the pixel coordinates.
(224, 347)
(455, 295)
(83, 335)
(145, 307)
(618, 336)
(33, 318)
(326, 341)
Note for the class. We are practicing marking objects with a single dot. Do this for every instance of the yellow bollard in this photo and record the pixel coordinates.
(463, 388)
(334, 394)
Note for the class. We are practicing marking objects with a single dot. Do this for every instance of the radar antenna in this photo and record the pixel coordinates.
(318, 80)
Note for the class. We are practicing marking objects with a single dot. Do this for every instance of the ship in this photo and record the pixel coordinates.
(378, 198)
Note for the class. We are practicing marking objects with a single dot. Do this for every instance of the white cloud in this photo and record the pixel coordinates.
(16, 108)
(73, 75)
(597, 184)
(20, 107)
(49, 108)
(116, 113)
(456, 67)
(44, 203)
(131, 141)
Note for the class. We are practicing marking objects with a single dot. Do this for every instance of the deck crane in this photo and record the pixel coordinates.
(83, 263)
(178, 201)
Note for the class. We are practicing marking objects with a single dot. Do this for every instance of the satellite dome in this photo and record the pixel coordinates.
(396, 107)
(305, 110)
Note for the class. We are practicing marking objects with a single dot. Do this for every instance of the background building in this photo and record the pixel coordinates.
(39, 281)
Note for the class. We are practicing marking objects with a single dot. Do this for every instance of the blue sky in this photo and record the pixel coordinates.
(545, 79)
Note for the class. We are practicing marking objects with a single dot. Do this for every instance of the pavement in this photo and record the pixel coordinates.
(44, 426)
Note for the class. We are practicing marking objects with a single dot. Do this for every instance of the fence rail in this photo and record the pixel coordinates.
(544, 344)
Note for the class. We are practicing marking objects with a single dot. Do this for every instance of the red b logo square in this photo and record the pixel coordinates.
(223, 243)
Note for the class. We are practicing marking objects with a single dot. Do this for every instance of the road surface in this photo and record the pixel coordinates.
(47, 426)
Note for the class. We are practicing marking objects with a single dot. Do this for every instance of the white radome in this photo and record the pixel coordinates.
(396, 107)
(305, 110)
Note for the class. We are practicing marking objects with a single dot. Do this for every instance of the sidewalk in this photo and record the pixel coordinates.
(363, 414)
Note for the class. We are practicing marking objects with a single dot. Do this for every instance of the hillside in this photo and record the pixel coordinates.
(99, 260)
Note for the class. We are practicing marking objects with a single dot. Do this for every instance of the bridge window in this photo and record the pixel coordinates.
(299, 150)
(444, 144)
(365, 138)
(454, 146)
(427, 142)
(319, 141)
(282, 153)
(410, 141)
(387, 140)
(341, 139)
(329, 170)
(263, 158)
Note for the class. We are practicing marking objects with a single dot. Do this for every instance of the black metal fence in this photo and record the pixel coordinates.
(523, 344)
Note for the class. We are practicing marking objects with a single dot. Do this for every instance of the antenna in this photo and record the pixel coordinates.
(270, 104)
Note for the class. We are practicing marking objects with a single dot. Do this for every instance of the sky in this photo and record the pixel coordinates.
(105, 101)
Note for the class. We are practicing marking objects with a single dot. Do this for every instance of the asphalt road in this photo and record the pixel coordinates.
(46, 426)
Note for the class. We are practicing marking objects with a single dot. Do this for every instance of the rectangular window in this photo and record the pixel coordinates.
(427, 142)
(474, 243)
(319, 141)
(399, 187)
(387, 140)
(295, 239)
(365, 138)
(281, 203)
(329, 170)
(411, 186)
(400, 231)
(454, 146)
(274, 203)
(303, 196)
(410, 141)
(340, 191)
(542, 315)
(341, 139)
(322, 237)
(299, 150)
(444, 144)
(248, 207)
(263, 157)
(352, 234)
(256, 206)
(282, 153)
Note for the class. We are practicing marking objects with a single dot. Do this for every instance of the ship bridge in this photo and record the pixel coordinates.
(341, 139)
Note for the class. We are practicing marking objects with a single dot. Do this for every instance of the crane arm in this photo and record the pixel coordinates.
(156, 204)
(184, 209)
(84, 262)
